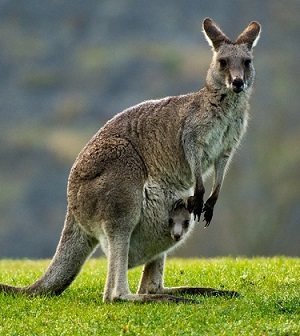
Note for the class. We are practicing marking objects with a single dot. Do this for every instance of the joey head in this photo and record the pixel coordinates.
(179, 220)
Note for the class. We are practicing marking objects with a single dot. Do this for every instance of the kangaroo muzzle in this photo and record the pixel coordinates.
(238, 85)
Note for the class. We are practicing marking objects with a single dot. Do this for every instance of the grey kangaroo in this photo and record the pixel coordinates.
(125, 181)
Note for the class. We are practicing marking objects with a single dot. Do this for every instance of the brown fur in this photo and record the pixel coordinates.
(125, 181)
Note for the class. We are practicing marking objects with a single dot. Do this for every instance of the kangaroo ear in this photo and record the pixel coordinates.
(213, 34)
(250, 35)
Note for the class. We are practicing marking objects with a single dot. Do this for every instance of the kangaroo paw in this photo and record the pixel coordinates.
(195, 205)
(208, 211)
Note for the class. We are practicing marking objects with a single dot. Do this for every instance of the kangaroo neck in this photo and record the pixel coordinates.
(225, 98)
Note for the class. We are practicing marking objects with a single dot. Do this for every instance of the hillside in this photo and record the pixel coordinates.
(67, 67)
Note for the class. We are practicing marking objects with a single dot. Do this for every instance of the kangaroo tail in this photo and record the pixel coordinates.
(74, 247)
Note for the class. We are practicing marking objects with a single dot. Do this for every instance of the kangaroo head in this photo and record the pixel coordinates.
(179, 220)
(231, 66)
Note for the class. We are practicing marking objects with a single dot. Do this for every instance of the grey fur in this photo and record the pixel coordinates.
(180, 221)
(125, 181)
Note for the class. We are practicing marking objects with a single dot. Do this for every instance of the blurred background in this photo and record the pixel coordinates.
(69, 66)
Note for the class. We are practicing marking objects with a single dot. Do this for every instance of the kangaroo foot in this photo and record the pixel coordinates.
(163, 298)
(205, 291)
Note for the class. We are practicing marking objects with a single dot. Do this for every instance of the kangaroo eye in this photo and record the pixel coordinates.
(171, 222)
(186, 224)
(247, 63)
(223, 63)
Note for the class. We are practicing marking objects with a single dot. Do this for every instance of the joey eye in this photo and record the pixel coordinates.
(247, 63)
(186, 224)
(171, 222)
(223, 63)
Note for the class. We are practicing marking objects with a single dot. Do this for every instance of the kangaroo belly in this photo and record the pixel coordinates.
(148, 241)
(152, 235)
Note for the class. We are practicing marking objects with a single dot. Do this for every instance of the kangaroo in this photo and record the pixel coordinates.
(125, 181)
(179, 221)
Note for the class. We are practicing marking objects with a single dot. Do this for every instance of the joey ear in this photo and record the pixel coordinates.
(179, 203)
(250, 35)
(213, 34)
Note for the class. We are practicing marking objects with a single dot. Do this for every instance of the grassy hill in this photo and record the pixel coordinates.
(269, 304)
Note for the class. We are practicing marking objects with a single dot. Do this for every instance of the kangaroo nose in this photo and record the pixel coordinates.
(238, 85)
(177, 237)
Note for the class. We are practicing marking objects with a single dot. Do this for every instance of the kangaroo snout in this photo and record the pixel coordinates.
(176, 236)
(238, 85)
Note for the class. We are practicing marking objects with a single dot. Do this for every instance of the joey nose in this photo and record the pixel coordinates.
(177, 237)
(238, 85)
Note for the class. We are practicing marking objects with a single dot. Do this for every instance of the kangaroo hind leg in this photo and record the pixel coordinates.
(152, 284)
(117, 230)
(120, 213)
(116, 286)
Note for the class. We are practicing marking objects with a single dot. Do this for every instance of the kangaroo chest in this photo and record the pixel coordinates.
(222, 136)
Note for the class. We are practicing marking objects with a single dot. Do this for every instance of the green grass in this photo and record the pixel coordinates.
(270, 302)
